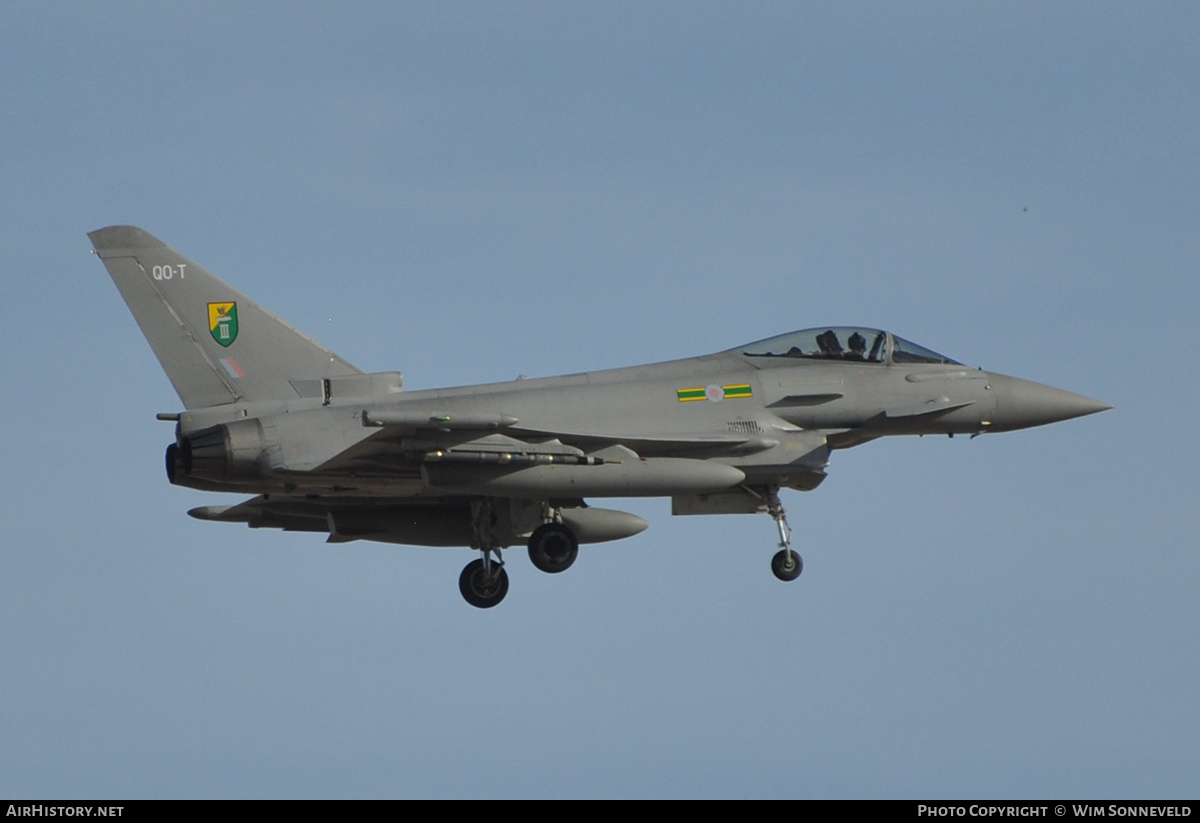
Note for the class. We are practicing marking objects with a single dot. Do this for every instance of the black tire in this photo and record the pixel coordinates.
(553, 548)
(478, 590)
(786, 565)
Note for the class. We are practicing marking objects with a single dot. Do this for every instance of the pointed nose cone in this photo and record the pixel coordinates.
(1023, 403)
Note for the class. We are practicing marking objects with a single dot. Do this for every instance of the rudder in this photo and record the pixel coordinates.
(216, 345)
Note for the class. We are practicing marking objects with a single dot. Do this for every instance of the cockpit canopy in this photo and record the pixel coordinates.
(844, 343)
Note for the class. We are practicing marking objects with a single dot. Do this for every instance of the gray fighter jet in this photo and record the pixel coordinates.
(328, 449)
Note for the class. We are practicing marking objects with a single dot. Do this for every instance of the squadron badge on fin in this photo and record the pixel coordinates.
(223, 322)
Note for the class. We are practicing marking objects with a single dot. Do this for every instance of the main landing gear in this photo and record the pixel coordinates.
(484, 582)
(786, 564)
(553, 547)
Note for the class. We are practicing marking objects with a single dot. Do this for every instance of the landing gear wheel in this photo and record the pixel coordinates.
(787, 565)
(553, 548)
(479, 588)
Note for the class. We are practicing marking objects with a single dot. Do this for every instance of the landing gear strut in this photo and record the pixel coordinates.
(484, 582)
(786, 564)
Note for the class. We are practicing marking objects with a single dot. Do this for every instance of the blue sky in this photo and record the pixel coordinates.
(468, 192)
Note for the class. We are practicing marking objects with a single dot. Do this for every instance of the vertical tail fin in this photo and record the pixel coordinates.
(216, 345)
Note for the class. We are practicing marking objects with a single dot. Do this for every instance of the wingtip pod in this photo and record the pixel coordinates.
(123, 237)
(211, 513)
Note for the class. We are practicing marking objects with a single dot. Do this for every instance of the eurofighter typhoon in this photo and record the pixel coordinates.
(326, 448)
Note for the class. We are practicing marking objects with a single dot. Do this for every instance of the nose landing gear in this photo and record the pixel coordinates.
(786, 564)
